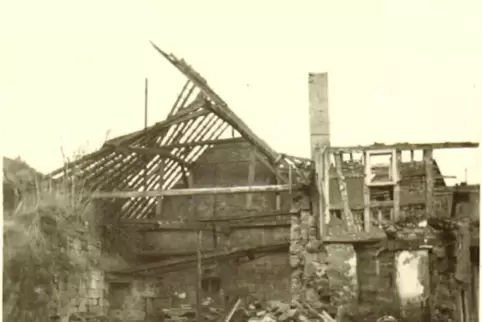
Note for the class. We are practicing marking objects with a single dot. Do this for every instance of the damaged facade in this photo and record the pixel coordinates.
(201, 209)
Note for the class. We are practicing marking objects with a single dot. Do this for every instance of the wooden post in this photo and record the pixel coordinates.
(348, 216)
(215, 200)
(251, 175)
(160, 199)
(199, 276)
(429, 182)
(379, 218)
(475, 288)
(326, 184)
(366, 197)
(278, 195)
(146, 158)
(396, 188)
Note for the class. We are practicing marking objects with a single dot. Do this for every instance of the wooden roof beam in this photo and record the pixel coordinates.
(193, 110)
(219, 107)
(162, 152)
(406, 146)
(196, 191)
(205, 142)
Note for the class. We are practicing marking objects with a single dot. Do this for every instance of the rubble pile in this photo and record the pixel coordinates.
(188, 313)
(274, 311)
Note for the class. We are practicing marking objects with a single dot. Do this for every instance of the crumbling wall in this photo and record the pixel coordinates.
(135, 300)
(227, 165)
(84, 294)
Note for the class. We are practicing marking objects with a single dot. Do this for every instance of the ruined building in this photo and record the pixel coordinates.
(198, 206)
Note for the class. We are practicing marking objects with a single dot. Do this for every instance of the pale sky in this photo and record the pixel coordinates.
(398, 70)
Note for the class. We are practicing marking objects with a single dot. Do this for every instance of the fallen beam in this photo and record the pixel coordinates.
(223, 255)
(169, 254)
(248, 217)
(406, 146)
(151, 225)
(195, 191)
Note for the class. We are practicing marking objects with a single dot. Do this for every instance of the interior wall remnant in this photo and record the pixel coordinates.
(307, 256)
(342, 274)
(412, 279)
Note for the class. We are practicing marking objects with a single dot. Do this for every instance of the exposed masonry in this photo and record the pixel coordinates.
(175, 153)
(86, 294)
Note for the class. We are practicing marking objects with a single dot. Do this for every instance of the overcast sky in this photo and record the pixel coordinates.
(398, 70)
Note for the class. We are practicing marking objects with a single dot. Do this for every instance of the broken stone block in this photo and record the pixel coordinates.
(303, 318)
(296, 260)
(313, 246)
(296, 247)
(295, 232)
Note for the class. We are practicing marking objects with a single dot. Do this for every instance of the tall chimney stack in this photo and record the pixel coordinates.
(319, 115)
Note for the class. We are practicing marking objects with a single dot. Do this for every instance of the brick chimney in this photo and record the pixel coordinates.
(319, 114)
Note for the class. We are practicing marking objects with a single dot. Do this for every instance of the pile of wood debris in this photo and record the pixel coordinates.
(274, 311)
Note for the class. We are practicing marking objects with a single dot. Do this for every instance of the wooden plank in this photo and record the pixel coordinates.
(199, 276)
(193, 107)
(215, 255)
(254, 216)
(475, 288)
(429, 182)
(196, 191)
(348, 216)
(396, 188)
(224, 229)
(205, 142)
(160, 199)
(164, 124)
(366, 199)
(220, 106)
(151, 152)
(326, 185)
(406, 146)
(176, 104)
(273, 168)
(251, 175)
(278, 195)
(152, 225)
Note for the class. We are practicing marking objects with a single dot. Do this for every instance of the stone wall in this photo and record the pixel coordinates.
(375, 281)
(264, 278)
(134, 301)
(85, 294)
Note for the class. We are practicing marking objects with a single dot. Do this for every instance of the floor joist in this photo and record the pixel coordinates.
(195, 191)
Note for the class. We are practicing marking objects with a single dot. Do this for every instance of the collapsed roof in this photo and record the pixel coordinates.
(197, 119)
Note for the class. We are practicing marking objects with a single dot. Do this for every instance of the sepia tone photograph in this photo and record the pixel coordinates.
(228, 161)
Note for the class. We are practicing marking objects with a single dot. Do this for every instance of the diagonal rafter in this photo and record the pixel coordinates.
(196, 121)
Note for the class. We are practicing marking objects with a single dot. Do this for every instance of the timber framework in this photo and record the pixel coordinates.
(210, 210)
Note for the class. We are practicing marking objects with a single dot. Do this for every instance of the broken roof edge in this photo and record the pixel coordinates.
(406, 146)
(220, 107)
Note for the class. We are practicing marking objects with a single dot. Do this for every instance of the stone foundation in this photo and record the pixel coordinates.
(320, 273)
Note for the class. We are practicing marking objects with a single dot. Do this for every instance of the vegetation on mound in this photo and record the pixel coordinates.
(37, 256)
